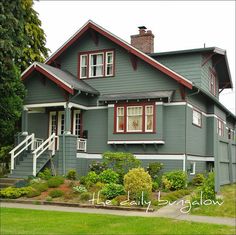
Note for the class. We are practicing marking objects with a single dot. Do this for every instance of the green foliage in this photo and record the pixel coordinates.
(55, 181)
(33, 193)
(137, 181)
(41, 187)
(91, 178)
(56, 193)
(98, 167)
(112, 190)
(198, 179)
(121, 198)
(13, 193)
(85, 196)
(208, 187)
(71, 174)
(80, 189)
(46, 174)
(120, 162)
(109, 176)
(174, 180)
(82, 180)
(48, 199)
(155, 186)
(21, 184)
(154, 169)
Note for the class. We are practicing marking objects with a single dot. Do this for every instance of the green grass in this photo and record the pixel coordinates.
(227, 209)
(25, 221)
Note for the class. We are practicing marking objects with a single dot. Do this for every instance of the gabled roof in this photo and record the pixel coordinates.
(64, 79)
(222, 65)
(91, 25)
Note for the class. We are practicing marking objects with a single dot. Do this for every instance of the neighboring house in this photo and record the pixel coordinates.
(98, 93)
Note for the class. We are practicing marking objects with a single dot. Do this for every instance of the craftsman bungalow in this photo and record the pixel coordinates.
(98, 93)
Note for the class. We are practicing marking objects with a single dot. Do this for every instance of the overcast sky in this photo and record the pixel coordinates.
(177, 25)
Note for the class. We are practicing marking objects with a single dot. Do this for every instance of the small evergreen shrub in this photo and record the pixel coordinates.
(14, 193)
(137, 181)
(85, 196)
(71, 174)
(198, 179)
(98, 167)
(112, 190)
(80, 189)
(21, 184)
(154, 169)
(155, 186)
(55, 181)
(120, 199)
(46, 174)
(208, 187)
(48, 199)
(82, 180)
(42, 187)
(174, 180)
(91, 178)
(109, 176)
(33, 193)
(56, 193)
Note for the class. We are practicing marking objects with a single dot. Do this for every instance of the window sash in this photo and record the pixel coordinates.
(109, 63)
(96, 61)
(83, 66)
(197, 118)
(120, 120)
(220, 128)
(192, 168)
(149, 118)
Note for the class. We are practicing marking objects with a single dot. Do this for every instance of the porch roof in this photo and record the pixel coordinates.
(137, 95)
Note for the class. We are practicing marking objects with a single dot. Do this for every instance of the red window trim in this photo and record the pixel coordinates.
(125, 105)
(88, 53)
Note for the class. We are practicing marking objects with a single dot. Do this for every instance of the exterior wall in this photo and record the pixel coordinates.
(40, 90)
(200, 167)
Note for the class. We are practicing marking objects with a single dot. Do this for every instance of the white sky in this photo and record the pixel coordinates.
(177, 25)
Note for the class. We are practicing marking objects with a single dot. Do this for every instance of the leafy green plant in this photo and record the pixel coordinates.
(85, 196)
(155, 186)
(33, 193)
(98, 167)
(48, 199)
(13, 193)
(154, 169)
(55, 181)
(42, 187)
(208, 187)
(80, 189)
(109, 176)
(174, 180)
(91, 178)
(137, 181)
(21, 184)
(120, 162)
(82, 180)
(56, 193)
(121, 198)
(112, 190)
(71, 174)
(46, 174)
(198, 179)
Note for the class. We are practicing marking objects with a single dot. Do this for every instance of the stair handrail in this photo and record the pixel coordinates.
(25, 141)
(43, 147)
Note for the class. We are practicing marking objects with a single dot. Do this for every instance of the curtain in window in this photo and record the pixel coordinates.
(149, 118)
(134, 118)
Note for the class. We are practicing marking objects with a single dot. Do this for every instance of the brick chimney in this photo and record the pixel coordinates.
(144, 41)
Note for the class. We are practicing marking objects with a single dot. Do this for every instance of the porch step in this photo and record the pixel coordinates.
(8, 182)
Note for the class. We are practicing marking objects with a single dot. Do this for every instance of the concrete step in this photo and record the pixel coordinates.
(8, 182)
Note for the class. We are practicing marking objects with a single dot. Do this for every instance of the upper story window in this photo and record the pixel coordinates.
(197, 118)
(220, 127)
(212, 82)
(96, 64)
(134, 118)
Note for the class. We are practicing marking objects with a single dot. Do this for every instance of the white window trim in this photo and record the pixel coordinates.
(196, 111)
(60, 113)
(127, 116)
(146, 118)
(74, 120)
(86, 55)
(50, 121)
(110, 75)
(117, 120)
(218, 127)
(194, 168)
(90, 56)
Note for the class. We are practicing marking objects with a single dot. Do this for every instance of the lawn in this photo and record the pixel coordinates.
(228, 208)
(25, 221)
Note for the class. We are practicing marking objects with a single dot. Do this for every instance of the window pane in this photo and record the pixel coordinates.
(197, 118)
(134, 118)
(96, 65)
(149, 118)
(84, 60)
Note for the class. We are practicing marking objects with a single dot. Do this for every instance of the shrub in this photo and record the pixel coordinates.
(85, 196)
(71, 175)
(82, 180)
(91, 178)
(120, 162)
(55, 181)
(98, 167)
(68, 195)
(114, 202)
(174, 180)
(48, 199)
(80, 189)
(56, 193)
(13, 193)
(109, 176)
(46, 174)
(208, 187)
(155, 186)
(112, 190)
(33, 193)
(121, 198)
(154, 169)
(21, 184)
(137, 181)
(42, 187)
(198, 179)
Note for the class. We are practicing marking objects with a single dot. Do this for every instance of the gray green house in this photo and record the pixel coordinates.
(98, 93)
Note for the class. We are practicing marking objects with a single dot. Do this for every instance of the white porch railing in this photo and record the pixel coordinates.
(81, 144)
(29, 140)
(37, 142)
(47, 144)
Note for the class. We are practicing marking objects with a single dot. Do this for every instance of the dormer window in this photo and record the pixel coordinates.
(96, 64)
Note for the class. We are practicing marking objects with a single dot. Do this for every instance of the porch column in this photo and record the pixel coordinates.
(67, 119)
(24, 122)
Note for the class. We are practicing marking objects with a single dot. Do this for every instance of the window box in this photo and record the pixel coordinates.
(95, 64)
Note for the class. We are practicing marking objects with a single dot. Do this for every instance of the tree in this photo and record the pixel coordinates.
(21, 41)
